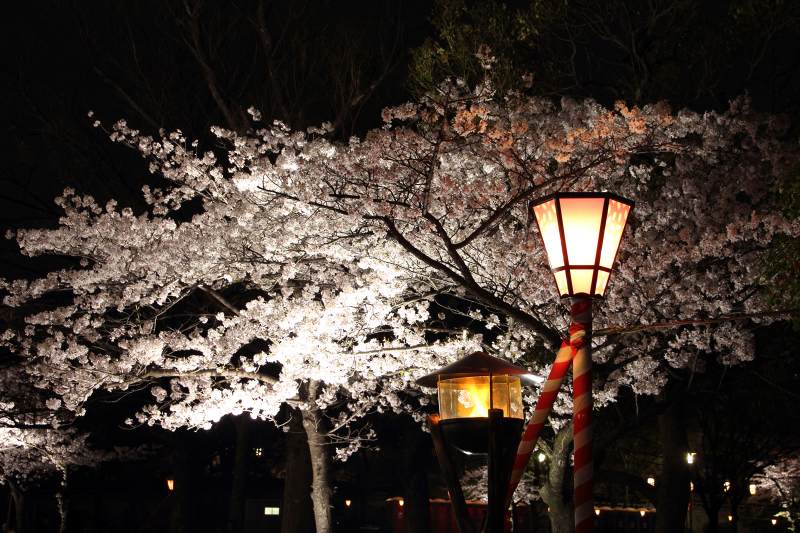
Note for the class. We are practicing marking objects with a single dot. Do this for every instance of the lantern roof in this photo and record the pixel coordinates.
(477, 364)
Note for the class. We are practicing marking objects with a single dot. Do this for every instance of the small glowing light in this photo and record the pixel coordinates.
(348, 503)
(402, 502)
(726, 486)
(690, 458)
(651, 481)
(691, 486)
(642, 513)
(542, 457)
(597, 511)
(752, 488)
(258, 451)
(774, 521)
(170, 485)
(730, 518)
(272, 511)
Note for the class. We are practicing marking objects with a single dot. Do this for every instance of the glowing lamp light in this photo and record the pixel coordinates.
(542, 457)
(469, 389)
(774, 521)
(581, 234)
(642, 513)
(597, 511)
(690, 458)
(348, 503)
(401, 503)
(752, 489)
(726, 486)
(651, 481)
(730, 518)
(170, 485)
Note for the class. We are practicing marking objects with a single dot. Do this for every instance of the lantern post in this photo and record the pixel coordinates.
(581, 233)
(480, 413)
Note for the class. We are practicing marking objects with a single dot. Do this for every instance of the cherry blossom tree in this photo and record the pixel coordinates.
(284, 268)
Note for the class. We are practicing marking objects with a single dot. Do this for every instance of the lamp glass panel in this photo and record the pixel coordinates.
(602, 281)
(548, 226)
(581, 218)
(468, 397)
(561, 281)
(581, 280)
(615, 224)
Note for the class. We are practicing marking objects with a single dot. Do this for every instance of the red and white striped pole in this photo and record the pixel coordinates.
(580, 334)
(543, 406)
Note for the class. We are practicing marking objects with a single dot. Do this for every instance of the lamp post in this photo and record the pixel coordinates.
(480, 412)
(581, 234)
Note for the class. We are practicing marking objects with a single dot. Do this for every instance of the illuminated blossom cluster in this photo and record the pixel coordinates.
(287, 258)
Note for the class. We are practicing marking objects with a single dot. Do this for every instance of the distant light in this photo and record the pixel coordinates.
(170, 485)
(726, 486)
(597, 511)
(258, 451)
(752, 489)
(691, 486)
(651, 481)
(348, 503)
(402, 502)
(272, 511)
(774, 521)
(542, 457)
(730, 518)
(690, 458)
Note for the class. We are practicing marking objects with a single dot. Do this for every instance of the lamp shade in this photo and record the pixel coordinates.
(581, 234)
(476, 383)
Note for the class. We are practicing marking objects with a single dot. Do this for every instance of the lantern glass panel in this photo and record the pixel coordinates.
(561, 281)
(581, 218)
(581, 280)
(602, 281)
(468, 397)
(548, 227)
(615, 224)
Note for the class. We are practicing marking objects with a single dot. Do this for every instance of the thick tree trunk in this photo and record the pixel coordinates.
(239, 480)
(18, 498)
(313, 423)
(297, 510)
(557, 488)
(416, 448)
(673, 483)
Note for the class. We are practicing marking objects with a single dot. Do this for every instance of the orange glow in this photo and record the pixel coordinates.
(348, 503)
(401, 503)
(581, 218)
(548, 227)
(170, 485)
(574, 221)
(642, 513)
(468, 397)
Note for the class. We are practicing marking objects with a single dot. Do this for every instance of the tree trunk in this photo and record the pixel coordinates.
(297, 509)
(557, 488)
(18, 497)
(239, 481)
(62, 501)
(416, 449)
(672, 497)
(180, 521)
(320, 468)
(713, 519)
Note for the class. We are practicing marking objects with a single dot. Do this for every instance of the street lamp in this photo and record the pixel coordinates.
(480, 412)
(581, 233)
